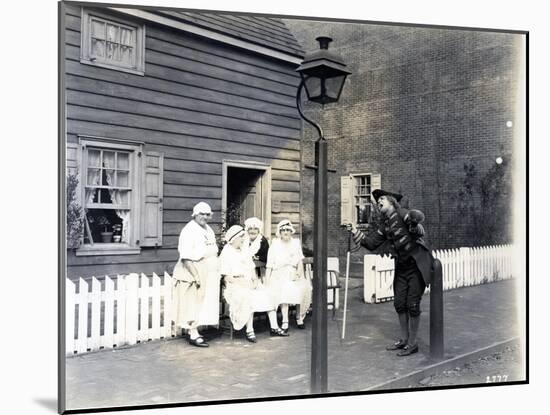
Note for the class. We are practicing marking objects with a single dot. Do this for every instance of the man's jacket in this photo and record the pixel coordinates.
(402, 240)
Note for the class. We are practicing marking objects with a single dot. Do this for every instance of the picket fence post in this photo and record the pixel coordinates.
(155, 308)
(120, 296)
(82, 301)
(131, 299)
(70, 288)
(168, 312)
(369, 278)
(107, 340)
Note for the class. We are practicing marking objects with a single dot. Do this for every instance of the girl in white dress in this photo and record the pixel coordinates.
(243, 290)
(285, 276)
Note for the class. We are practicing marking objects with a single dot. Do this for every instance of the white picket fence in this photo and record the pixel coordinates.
(129, 309)
(117, 311)
(462, 267)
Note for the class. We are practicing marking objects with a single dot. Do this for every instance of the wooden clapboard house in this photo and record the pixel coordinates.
(168, 108)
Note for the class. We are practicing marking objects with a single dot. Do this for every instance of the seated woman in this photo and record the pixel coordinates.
(256, 244)
(285, 276)
(243, 291)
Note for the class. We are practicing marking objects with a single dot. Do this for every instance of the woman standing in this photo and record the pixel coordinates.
(243, 290)
(285, 275)
(196, 277)
(256, 243)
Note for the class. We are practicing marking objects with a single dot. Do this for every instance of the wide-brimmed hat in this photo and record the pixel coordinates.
(285, 224)
(233, 232)
(379, 192)
(201, 207)
(253, 223)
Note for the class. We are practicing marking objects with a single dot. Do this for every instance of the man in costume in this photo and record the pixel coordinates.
(400, 235)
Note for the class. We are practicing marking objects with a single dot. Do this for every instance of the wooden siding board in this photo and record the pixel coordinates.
(188, 133)
(175, 101)
(172, 203)
(174, 49)
(217, 49)
(76, 70)
(195, 166)
(194, 190)
(231, 152)
(285, 196)
(194, 120)
(197, 179)
(181, 64)
(146, 255)
(200, 78)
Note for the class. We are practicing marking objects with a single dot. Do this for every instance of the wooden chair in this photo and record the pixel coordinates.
(333, 280)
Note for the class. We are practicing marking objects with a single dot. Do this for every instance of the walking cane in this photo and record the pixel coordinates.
(346, 287)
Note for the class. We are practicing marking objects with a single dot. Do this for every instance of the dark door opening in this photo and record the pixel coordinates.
(245, 195)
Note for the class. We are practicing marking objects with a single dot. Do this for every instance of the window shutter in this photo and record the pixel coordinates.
(375, 182)
(346, 199)
(151, 224)
(72, 158)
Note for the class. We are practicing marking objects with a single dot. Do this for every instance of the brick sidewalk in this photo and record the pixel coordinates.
(173, 371)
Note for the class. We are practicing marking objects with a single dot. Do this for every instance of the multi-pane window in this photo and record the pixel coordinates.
(112, 43)
(108, 195)
(362, 198)
(120, 188)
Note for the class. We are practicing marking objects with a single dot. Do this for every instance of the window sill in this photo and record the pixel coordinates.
(114, 67)
(107, 249)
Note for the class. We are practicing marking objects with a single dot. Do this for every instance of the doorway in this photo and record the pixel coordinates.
(247, 193)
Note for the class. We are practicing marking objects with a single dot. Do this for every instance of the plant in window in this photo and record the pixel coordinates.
(101, 220)
(75, 225)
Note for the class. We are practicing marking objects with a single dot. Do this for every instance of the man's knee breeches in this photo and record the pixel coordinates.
(408, 288)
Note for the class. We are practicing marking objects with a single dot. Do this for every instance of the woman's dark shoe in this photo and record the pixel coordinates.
(408, 350)
(301, 326)
(399, 344)
(199, 342)
(251, 337)
(278, 332)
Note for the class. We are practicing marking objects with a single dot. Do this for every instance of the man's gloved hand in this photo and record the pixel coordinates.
(351, 228)
(417, 230)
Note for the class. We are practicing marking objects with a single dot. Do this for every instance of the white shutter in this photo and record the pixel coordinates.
(346, 199)
(71, 157)
(375, 182)
(151, 218)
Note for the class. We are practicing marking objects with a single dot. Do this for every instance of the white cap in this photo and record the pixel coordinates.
(284, 224)
(253, 223)
(234, 232)
(201, 207)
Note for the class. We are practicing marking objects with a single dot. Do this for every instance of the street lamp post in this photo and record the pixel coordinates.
(323, 75)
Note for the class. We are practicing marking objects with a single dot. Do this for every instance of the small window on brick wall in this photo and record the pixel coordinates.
(112, 43)
(356, 199)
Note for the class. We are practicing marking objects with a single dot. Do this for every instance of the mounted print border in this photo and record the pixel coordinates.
(161, 109)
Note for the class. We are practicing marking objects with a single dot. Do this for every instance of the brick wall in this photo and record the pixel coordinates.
(420, 104)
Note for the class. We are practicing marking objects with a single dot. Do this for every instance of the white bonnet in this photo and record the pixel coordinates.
(253, 223)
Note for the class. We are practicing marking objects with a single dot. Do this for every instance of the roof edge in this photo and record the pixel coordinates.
(210, 34)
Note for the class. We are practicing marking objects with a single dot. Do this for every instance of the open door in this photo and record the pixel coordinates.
(247, 194)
